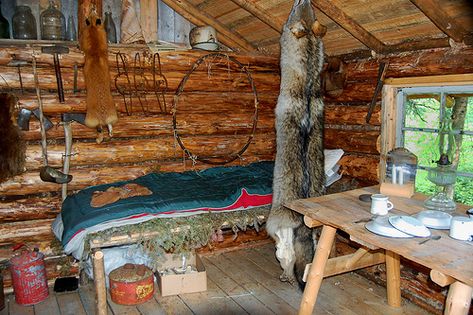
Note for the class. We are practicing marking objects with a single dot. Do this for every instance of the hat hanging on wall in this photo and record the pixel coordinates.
(203, 37)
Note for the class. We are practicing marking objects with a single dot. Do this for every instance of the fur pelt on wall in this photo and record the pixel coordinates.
(101, 109)
(299, 166)
(12, 146)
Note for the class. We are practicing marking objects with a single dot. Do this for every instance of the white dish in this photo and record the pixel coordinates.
(409, 225)
(381, 226)
(435, 219)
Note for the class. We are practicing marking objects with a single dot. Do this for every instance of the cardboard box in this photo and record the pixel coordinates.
(174, 284)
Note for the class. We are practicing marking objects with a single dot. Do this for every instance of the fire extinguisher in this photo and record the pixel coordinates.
(28, 274)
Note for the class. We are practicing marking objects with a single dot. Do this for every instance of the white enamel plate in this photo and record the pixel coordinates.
(381, 226)
(409, 225)
(435, 219)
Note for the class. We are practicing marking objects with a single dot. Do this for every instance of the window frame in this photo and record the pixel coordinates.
(392, 114)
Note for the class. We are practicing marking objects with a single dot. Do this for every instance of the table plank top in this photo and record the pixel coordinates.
(447, 255)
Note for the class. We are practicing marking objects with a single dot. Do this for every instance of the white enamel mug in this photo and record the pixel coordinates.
(461, 228)
(380, 205)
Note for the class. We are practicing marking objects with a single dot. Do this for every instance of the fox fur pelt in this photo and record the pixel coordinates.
(299, 166)
(12, 146)
(101, 109)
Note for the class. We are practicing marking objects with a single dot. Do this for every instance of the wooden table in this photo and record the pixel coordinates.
(450, 260)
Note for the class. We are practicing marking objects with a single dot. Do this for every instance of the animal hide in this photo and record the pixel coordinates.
(101, 109)
(299, 166)
(12, 146)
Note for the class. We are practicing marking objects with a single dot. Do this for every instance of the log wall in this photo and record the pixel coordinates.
(214, 118)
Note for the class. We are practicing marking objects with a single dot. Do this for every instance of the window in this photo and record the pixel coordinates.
(413, 117)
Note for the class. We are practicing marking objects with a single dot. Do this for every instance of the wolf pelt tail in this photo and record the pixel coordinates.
(299, 164)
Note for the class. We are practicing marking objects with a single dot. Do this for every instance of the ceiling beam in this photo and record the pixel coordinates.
(270, 20)
(348, 24)
(433, 10)
(199, 18)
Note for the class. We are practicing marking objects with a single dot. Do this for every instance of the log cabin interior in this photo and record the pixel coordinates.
(194, 101)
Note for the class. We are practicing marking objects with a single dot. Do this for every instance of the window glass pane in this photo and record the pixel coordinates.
(466, 155)
(424, 185)
(424, 145)
(422, 111)
(463, 190)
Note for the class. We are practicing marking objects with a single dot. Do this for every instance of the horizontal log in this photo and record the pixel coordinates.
(143, 150)
(351, 140)
(30, 183)
(188, 102)
(339, 114)
(222, 81)
(360, 166)
(62, 266)
(234, 123)
(25, 231)
(421, 63)
(170, 60)
(33, 208)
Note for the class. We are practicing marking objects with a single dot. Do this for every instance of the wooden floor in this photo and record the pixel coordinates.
(239, 282)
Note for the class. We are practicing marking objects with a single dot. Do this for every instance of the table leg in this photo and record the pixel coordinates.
(99, 281)
(316, 273)
(458, 299)
(393, 278)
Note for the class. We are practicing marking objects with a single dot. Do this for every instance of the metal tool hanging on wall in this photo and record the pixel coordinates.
(383, 67)
(144, 78)
(47, 173)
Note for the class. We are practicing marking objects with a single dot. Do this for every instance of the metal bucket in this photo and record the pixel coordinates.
(28, 274)
(131, 284)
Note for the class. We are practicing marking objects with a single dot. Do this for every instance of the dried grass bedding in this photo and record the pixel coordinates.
(196, 199)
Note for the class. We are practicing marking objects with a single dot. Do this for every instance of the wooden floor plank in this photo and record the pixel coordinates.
(87, 297)
(376, 295)
(264, 257)
(172, 304)
(48, 306)
(70, 304)
(217, 301)
(151, 307)
(237, 293)
(263, 294)
(118, 309)
(16, 309)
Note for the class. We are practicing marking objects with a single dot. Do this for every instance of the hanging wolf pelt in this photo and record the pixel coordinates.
(101, 109)
(299, 165)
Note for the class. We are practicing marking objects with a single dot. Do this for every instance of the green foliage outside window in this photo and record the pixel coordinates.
(424, 112)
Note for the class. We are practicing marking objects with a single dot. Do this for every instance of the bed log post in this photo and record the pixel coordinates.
(99, 280)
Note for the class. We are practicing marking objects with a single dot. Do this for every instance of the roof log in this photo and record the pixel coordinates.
(348, 24)
(446, 24)
(270, 20)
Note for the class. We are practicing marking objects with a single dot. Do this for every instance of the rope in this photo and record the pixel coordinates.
(180, 89)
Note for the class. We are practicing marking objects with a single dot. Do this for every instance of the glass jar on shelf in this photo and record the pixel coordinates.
(53, 23)
(24, 23)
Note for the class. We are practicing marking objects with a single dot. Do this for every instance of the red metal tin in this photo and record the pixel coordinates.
(29, 277)
(131, 284)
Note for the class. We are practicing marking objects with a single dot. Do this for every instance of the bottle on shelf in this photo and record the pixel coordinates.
(110, 28)
(71, 33)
